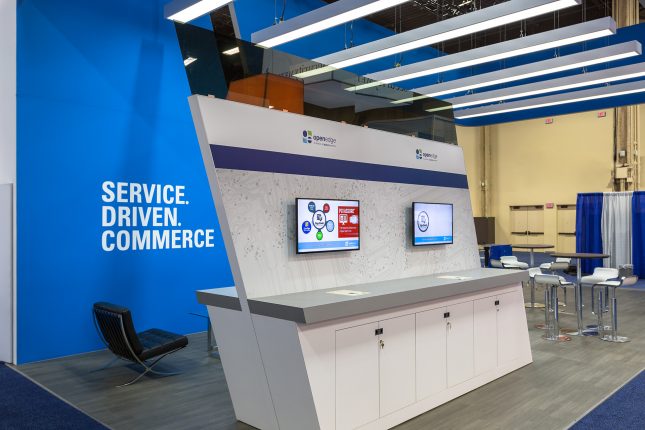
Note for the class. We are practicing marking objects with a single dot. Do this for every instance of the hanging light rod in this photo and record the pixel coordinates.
(511, 48)
(184, 11)
(554, 100)
(320, 19)
(531, 70)
(469, 23)
(604, 76)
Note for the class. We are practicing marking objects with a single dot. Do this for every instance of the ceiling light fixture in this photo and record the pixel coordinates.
(524, 45)
(232, 51)
(184, 11)
(320, 19)
(469, 23)
(604, 76)
(531, 70)
(554, 100)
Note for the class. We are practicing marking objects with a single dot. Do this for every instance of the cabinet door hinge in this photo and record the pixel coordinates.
(496, 302)
(446, 314)
(378, 332)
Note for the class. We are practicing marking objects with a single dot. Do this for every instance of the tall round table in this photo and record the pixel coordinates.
(579, 256)
(532, 247)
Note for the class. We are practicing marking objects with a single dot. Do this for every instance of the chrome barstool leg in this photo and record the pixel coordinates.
(613, 337)
(552, 316)
(532, 282)
(599, 313)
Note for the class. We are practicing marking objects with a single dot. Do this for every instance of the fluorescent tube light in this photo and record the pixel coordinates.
(554, 100)
(232, 51)
(531, 70)
(189, 60)
(184, 11)
(605, 76)
(524, 45)
(480, 20)
(320, 19)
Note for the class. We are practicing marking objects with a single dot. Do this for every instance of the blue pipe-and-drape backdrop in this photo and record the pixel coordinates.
(638, 233)
(589, 228)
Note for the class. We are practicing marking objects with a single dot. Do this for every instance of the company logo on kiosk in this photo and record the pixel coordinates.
(309, 136)
(429, 156)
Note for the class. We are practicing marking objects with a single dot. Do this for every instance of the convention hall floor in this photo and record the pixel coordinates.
(563, 383)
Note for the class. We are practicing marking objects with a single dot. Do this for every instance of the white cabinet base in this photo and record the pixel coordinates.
(347, 374)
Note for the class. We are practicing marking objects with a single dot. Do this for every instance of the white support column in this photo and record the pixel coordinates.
(7, 179)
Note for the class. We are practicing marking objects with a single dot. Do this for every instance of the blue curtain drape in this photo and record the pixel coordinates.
(497, 251)
(589, 228)
(638, 233)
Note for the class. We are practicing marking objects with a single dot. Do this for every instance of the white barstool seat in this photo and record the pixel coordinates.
(547, 266)
(600, 274)
(511, 262)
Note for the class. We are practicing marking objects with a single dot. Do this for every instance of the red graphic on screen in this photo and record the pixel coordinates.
(348, 222)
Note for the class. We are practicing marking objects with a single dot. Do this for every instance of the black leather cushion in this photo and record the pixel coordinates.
(156, 342)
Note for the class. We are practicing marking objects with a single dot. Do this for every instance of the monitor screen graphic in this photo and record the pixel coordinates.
(432, 223)
(327, 225)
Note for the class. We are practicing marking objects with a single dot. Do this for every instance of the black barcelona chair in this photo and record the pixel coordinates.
(116, 329)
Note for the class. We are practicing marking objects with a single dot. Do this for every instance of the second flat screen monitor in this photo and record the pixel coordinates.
(432, 223)
(327, 225)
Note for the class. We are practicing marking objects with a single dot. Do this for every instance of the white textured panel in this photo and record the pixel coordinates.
(260, 208)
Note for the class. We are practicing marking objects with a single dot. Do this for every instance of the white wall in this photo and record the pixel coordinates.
(7, 171)
(8, 91)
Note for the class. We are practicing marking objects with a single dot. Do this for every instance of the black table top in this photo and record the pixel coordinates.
(578, 255)
(533, 246)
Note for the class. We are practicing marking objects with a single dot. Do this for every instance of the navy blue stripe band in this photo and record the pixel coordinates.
(229, 157)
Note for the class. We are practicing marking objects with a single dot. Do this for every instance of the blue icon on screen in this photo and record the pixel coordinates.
(330, 226)
(306, 227)
(312, 207)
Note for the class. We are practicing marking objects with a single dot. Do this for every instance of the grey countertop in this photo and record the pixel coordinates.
(220, 297)
(322, 305)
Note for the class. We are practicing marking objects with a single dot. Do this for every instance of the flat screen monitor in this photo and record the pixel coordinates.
(432, 223)
(327, 225)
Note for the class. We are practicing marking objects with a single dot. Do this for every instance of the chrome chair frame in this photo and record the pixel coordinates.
(148, 368)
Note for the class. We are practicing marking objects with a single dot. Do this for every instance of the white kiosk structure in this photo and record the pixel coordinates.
(411, 328)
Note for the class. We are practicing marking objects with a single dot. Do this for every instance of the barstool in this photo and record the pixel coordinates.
(562, 266)
(613, 334)
(511, 262)
(600, 274)
(532, 272)
(551, 313)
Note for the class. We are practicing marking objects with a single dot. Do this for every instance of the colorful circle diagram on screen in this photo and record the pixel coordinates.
(319, 219)
(327, 225)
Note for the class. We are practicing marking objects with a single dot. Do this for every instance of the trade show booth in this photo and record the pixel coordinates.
(359, 298)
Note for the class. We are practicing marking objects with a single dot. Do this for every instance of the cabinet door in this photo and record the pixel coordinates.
(485, 337)
(459, 341)
(397, 372)
(511, 326)
(357, 376)
(431, 352)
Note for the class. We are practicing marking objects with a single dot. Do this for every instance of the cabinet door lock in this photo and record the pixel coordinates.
(446, 314)
(381, 343)
(378, 332)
